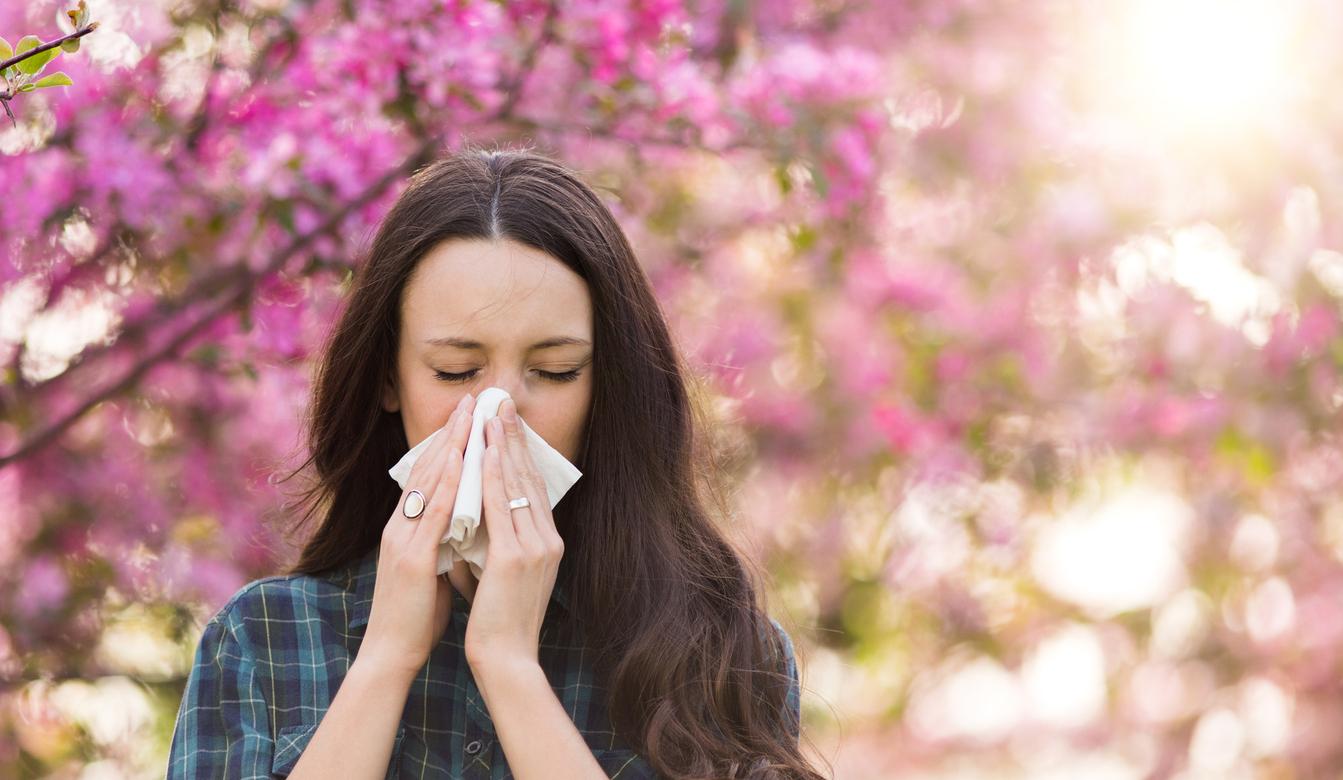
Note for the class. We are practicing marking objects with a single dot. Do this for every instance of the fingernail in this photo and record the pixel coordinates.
(462, 403)
(510, 411)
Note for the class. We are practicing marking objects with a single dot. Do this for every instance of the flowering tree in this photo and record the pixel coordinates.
(1025, 328)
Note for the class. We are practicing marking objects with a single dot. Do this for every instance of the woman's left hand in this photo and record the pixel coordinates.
(523, 553)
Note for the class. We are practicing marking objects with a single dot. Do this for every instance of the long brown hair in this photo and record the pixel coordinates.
(694, 670)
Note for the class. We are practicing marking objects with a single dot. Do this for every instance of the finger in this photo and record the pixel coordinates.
(438, 515)
(537, 493)
(429, 463)
(530, 523)
(518, 451)
(414, 482)
(423, 472)
(497, 522)
(460, 438)
(521, 518)
(457, 435)
(523, 525)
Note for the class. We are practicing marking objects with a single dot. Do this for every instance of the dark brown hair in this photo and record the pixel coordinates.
(646, 563)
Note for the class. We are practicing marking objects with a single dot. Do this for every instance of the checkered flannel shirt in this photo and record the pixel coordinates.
(270, 661)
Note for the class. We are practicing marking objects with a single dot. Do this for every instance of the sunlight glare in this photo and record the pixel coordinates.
(1209, 69)
(1219, 59)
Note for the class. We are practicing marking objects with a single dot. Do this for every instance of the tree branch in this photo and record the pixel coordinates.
(519, 82)
(17, 58)
(202, 286)
(247, 280)
(238, 279)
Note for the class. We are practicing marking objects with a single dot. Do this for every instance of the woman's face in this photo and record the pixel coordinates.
(472, 316)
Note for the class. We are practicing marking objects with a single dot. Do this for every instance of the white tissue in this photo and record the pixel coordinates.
(467, 538)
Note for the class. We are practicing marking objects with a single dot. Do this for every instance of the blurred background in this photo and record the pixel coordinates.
(1022, 323)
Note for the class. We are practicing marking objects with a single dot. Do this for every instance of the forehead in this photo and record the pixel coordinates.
(496, 292)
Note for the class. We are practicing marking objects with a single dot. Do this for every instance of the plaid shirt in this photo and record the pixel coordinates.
(270, 661)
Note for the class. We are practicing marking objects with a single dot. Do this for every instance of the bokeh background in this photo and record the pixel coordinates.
(1021, 320)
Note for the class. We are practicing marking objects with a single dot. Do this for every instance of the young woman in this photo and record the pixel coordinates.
(618, 635)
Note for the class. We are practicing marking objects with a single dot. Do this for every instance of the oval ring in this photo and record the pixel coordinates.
(414, 505)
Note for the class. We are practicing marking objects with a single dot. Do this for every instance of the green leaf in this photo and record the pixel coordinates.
(57, 79)
(27, 42)
(71, 45)
(6, 51)
(27, 87)
(34, 65)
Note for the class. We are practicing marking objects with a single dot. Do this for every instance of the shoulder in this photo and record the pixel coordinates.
(783, 637)
(785, 644)
(793, 699)
(782, 654)
(277, 605)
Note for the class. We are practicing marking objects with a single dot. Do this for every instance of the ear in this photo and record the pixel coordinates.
(391, 400)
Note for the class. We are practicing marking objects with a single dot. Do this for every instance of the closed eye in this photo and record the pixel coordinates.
(566, 376)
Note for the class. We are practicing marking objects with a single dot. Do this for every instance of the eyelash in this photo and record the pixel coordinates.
(567, 376)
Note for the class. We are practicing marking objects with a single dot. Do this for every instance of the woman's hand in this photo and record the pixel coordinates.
(523, 556)
(411, 603)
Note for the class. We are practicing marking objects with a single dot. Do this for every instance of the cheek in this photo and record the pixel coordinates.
(561, 430)
(425, 406)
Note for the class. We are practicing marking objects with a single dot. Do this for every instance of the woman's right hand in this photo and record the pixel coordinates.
(411, 602)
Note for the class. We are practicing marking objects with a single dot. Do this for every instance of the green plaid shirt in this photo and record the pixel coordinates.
(270, 661)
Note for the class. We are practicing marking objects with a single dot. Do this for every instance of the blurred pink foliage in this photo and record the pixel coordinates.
(944, 279)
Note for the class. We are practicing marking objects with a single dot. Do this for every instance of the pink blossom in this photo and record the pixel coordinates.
(43, 587)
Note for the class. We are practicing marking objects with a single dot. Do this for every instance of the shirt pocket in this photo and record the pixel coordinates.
(624, 763)
(290, 741)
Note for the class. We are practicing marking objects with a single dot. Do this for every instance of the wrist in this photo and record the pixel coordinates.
(505, 666)
(377, 667)
(502, 679)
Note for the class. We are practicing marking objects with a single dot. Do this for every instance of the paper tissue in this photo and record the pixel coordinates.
(467, 538)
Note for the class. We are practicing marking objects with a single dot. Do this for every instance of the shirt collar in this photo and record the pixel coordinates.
(362, 574)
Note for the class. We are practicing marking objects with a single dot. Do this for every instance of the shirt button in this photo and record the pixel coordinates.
(474, 747)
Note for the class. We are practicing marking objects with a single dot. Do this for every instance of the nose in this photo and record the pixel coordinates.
(515, 392)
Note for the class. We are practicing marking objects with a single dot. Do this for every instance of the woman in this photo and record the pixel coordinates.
(617, 635)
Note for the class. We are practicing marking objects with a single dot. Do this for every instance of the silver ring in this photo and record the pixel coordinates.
(414, 505)
(518, 503)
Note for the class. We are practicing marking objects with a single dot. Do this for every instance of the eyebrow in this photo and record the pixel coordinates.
(553, 341)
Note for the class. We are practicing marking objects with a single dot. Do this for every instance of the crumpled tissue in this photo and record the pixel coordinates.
(467, 538)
